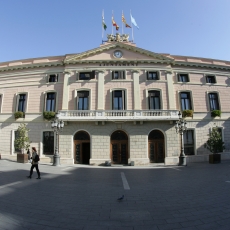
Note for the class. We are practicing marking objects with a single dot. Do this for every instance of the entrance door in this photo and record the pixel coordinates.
(119, 147)
(119, 153)
(156, 147)
(82, 148)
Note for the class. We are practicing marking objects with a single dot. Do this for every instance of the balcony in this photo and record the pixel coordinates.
(118, 115)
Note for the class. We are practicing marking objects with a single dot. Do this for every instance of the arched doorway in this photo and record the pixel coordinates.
(119, 147)
(81, 148)
(156, 147)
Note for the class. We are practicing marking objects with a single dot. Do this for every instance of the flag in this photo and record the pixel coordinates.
(103, 23)
(115, 24)
(124, 21)
(133, 21)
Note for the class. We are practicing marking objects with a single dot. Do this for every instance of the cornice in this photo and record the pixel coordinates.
(200, 65)
(31, 66)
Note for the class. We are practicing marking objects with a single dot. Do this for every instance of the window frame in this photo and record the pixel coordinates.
(212, 76)
(77, 106)
(124, 96)
(190, 97)
(91, 72)
(41, 142)
(51, 131)
(26, 101)
(178, 77)
(194, 139)
(218, 100)
(160, 100)
(45, 101)
(120, 73)
(76, 98)
(153, 71)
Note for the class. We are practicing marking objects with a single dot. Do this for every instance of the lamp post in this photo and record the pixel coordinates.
(57, 127)
(181, 127)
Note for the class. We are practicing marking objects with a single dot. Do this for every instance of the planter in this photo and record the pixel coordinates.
(214, 158)
(22, 158)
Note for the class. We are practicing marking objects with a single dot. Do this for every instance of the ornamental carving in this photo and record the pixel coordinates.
(118, 37)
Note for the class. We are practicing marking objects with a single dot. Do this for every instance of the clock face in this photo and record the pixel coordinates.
(117, 54)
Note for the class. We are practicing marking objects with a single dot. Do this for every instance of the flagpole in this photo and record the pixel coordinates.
(122, 22)
(102, 26)
(132, 27)
(112, 22)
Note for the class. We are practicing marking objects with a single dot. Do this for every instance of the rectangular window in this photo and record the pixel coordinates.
(183, 78)
(152, 75)
(53, 78)
(118, 100)
(21, 102)
(83, 100)
(48, 143)
(185, 101)
(118, 75)
(50, 102)
(189, 142)
(213, 100)
(86, 75)
(154, 100)
(210, 79)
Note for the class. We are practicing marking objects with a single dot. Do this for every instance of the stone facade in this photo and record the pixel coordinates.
(136, 121)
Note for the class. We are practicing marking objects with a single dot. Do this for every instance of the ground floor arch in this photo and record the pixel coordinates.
(156, 146)
(119, 147)
(81, 148)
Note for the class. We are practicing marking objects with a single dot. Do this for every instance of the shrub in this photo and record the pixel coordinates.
(215, 143)
(215, 113)
(22, 141)
(19, 114)
(187, 113)
(48, 115)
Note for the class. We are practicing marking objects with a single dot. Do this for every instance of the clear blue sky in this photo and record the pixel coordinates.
(40, 28)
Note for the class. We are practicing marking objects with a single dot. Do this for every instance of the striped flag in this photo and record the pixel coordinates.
(124, 21)
(115, 24)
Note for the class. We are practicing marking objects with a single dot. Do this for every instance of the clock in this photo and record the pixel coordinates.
(117, 54)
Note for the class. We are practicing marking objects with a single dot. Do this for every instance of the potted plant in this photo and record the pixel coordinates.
(49, 115)
(22, 142)
(19, 114)
(215, 145)
(215, 113)
(187, 113)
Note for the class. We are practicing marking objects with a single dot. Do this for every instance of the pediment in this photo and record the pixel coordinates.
(105, 53)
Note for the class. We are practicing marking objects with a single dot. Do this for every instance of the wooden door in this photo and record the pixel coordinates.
(119, 152)
(156, 151)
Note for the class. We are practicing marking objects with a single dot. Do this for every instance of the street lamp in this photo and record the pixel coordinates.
(57, 126)
(181, 127)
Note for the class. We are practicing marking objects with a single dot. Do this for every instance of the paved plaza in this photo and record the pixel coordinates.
(85, 197)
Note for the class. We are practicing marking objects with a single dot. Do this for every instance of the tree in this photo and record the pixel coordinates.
(22, 141)
(215, 143)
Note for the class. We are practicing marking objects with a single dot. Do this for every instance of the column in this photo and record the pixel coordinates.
(65, 96)
(136, 90)
(100, 90)
(171, 93)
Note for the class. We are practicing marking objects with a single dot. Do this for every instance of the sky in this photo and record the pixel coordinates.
(44, 28)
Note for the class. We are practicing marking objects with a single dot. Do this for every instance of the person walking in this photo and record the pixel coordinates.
(35, 159)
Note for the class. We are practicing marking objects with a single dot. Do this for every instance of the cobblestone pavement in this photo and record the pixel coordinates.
(77, 197)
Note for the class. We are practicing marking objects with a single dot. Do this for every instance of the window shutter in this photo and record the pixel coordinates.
(112, 74)
(112, 99)
(16, 102)
(56, 78)
(92, 75)
(124, 74)
(121, 74)
(77, 76)
(47, 78)
(45, 98)
(147, 75)
(123, 99)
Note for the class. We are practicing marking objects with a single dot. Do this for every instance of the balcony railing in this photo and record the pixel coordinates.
(117, 115)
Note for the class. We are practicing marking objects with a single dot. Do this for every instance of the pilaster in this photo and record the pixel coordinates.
(171, 96)
(136, 90)
(65, 97)
(100, 91)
